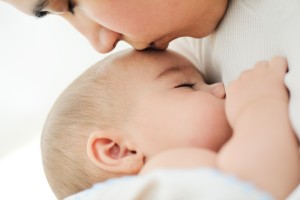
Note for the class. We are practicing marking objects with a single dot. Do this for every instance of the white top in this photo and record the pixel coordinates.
(172, 184)
(251, 30)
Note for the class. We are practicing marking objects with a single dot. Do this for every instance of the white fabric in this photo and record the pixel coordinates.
(251, 30)
(204, 184)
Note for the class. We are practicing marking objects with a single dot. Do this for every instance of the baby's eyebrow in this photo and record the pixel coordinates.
(168, 71)
(39, 7)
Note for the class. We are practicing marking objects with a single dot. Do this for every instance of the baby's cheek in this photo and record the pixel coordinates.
(213, 126)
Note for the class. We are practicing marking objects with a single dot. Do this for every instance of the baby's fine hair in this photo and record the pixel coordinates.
(98, 99)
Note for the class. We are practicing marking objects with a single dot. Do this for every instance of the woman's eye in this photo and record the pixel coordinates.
(71, 5)
(188, 85)
(40, 14)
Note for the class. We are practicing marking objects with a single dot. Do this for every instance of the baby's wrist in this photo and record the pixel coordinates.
(266, 104)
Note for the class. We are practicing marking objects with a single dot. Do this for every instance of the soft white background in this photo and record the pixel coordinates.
(38, 59)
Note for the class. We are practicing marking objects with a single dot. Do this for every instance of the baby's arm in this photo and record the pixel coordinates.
(263, 148)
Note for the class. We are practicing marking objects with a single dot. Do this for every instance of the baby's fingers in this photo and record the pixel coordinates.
(279, 63)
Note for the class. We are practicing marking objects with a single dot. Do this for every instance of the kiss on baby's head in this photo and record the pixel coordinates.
(124, 110)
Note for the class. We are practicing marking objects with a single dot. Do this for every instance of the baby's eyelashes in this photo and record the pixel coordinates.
(187, 85)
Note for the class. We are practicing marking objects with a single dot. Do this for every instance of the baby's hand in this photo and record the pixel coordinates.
(258, 85)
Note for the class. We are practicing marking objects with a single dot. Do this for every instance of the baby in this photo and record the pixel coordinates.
(135, 111)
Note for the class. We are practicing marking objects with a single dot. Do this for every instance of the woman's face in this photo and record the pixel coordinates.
(140, 23)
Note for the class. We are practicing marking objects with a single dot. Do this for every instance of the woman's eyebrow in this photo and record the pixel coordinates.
(39, 7)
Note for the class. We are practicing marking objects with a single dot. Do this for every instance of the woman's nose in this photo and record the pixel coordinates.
(103, 40)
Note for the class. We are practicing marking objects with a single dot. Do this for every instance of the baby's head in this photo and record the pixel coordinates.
(124, 110)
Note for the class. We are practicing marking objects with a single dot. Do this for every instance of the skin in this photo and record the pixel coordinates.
(182, 109)
(172, 97)
(176, 124)
(140, 23)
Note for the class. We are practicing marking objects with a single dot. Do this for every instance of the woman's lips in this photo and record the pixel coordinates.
(155, 46)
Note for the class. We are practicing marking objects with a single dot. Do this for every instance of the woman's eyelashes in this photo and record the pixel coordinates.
(40, 14)
(187, 85)
(71, 6)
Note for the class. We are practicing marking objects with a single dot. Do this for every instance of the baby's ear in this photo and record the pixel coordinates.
(107, 151)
